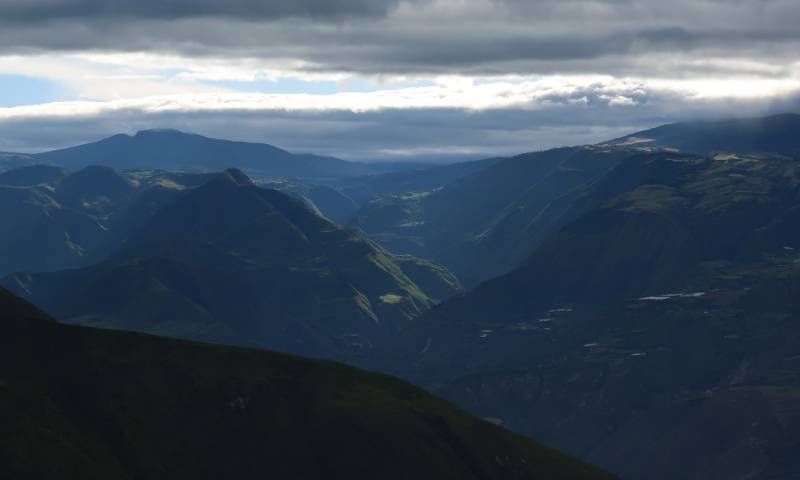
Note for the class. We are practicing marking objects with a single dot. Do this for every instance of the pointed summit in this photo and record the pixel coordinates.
(238, 177)
(161, 131)
(88, 185)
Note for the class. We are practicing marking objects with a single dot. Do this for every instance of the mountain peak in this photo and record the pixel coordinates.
(229, 178)
(169, 149)
(160, 131)
(98, 176)
(238, 177)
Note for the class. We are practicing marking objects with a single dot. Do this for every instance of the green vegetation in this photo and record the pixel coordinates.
(391, 298)
(651, 199)
(83, 403)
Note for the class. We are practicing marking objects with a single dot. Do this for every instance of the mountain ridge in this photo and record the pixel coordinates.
(97, 404)
(776, 134)
(167, 149)
(232, 262)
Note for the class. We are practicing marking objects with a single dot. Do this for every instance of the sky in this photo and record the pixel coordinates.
(373, 80)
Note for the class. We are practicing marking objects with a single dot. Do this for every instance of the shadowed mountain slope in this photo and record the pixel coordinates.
(485, 223)
(325, 200)
(229, 261)
(341, 198)
(33, 175)
(53, 219)
(95, 404)
(663, 319)
(37, 233)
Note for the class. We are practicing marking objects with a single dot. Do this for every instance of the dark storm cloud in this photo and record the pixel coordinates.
(88, 11)
(421, 36)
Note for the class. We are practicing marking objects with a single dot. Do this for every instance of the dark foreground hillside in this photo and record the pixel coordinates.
(86, 403)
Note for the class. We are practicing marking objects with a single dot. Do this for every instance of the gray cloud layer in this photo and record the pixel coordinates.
(89, 11)
(401, 37)
(647, 39)
(396, 134)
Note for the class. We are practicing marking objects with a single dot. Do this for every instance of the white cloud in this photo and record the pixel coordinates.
(447, 93)
(454, 116)
(90, 79)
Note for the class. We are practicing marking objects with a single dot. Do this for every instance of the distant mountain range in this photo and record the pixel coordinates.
(633, 303)
(337, 187)
(83, 403)
(166, 149)
(227, 261)
(175, 150)
(485, 223)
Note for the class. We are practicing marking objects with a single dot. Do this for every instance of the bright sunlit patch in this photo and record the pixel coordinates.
(391, 298)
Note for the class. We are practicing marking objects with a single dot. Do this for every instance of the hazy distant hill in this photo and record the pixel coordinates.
(33, 175)
(92, 404)
(54, 219)
(37, 233)
(174, 150)
(326, 200)
(229, 261)
(420, 179)
(776, 134)
(483, 224)
(341, 199)
(10, 161)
